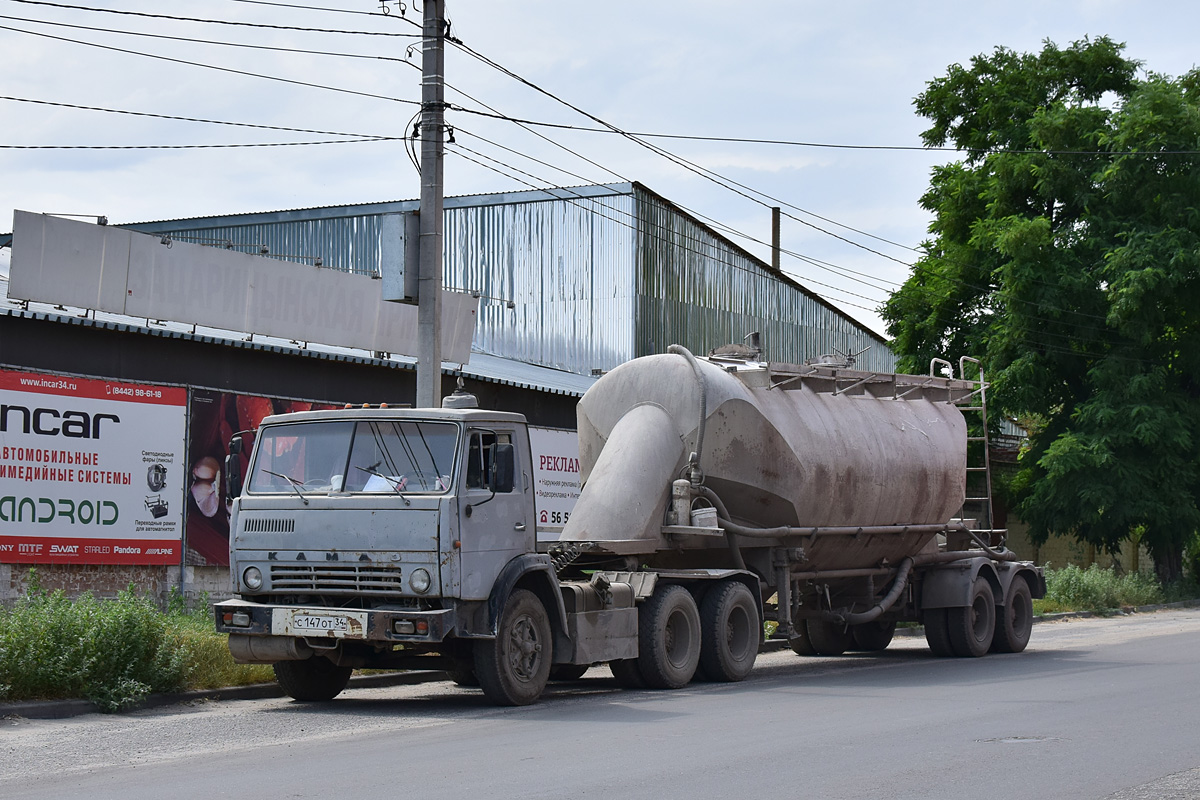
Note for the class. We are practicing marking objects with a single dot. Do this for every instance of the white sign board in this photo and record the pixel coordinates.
(91, 471)
(125, 272)
(555, 479)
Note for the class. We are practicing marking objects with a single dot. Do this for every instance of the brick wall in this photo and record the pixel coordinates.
(105, 580)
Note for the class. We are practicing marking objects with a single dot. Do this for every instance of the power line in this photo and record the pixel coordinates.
(826, 145)
(211, 66)
(194, 119)
(306, 52)
(315, 8)
(213, 21)
(180, 146)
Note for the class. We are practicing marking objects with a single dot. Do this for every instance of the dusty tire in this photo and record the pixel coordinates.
(668, 638)
(462, 672)
(971, 627)
(799, 643)
(627, 673)
(1014, 622)
(829, 638)
(937, 634)
(568, 672)
(871, 637)
(313, 680)
(513, 668)
(730, 632)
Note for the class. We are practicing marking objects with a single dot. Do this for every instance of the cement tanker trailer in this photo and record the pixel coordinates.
(719, 492)
(838, 491)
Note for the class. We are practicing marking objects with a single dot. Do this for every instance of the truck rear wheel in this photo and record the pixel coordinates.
(730, 632)
(874, 636)
(312, 680)
(669, 638)
(829, 638)
(1014, 622)
(627, 673)
(513, 668)
(971, 627)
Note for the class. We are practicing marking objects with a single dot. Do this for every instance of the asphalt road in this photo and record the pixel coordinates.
(1094, 709)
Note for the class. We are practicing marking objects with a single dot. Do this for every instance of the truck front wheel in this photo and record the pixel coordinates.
(312, 680)
(513, 668)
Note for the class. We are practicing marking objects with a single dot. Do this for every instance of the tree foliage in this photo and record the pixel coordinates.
(1065, 251)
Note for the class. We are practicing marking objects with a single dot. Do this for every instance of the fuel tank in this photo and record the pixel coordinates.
(804, 446)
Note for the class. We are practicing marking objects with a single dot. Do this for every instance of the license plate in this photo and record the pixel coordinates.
(307, 622)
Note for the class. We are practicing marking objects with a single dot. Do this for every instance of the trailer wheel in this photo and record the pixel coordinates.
(971, 627)
(829, 638)
(799, 643)
(874, 636)
(730, 632)
(627, 673)
(312, 680)
(513, 668)
(1014, 622)
(669, 638)
(937, 634)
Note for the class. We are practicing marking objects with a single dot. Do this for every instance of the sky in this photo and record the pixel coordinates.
(819, 73)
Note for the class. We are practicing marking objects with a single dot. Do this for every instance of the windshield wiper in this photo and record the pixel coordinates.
(395, 484)
(295, 484)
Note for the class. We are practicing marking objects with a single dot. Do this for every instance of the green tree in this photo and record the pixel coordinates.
(1065, 251)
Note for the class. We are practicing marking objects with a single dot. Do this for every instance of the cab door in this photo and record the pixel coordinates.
(493, 527)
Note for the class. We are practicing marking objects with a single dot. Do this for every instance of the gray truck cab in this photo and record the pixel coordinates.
(364, 537)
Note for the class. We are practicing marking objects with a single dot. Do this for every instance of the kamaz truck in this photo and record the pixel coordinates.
(719, 493)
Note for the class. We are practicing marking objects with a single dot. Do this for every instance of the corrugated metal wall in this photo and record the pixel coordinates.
(696, 290)
(350, 244)
(597, 275)
(567, 265)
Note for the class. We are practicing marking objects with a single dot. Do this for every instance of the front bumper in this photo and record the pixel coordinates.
(322, 627)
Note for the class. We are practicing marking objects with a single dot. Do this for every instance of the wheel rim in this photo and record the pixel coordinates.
(677, 639)
(524, 649)
(737, 633)
(979, 619)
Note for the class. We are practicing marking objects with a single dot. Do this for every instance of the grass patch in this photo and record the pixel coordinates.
(112, 652)
(1073, 588)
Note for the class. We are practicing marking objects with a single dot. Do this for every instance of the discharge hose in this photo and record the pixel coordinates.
(697, 477)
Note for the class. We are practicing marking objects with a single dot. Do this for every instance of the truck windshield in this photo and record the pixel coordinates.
(385, 456)
(402, 456)
(307, 457)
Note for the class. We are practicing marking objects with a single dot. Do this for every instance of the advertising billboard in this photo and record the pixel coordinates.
(91, 471)
(215, 417)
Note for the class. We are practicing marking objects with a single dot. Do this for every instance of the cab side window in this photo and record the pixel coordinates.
(480, 451)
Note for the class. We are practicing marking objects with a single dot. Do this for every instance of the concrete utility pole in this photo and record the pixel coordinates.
(429, 292)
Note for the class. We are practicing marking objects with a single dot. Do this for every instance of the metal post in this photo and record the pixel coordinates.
(429, 296)
(775, 237)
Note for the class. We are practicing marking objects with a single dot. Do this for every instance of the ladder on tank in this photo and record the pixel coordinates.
(978, 503)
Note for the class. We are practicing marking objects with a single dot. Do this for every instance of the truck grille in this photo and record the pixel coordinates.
(336, 579)
(268, 525)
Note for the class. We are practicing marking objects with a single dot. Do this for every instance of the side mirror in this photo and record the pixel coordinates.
(233, 468)
(503, 468)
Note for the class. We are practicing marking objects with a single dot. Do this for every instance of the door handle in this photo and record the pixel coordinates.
(520, 526)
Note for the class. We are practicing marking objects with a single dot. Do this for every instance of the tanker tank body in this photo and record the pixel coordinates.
(793, 449)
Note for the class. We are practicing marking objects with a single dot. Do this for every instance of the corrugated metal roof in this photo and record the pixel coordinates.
(492, 369)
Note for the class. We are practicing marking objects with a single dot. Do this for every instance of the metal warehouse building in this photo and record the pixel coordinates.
(570, 282)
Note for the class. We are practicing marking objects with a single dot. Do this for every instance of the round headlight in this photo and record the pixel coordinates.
(252, 578)
(419, 581)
